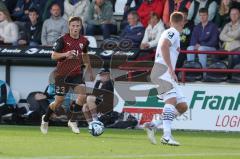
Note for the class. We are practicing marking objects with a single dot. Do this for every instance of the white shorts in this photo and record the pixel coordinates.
(175, 92)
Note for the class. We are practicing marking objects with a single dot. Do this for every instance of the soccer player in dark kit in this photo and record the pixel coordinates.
(70, 51)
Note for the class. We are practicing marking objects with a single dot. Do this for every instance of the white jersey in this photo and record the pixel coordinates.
(174, 37)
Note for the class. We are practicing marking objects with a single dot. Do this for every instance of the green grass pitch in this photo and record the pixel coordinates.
(26, 142)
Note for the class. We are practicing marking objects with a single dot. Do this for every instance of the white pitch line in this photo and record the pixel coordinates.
(128, 156)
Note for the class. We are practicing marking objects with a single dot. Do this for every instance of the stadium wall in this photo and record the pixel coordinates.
(2, 73)
(26, 79)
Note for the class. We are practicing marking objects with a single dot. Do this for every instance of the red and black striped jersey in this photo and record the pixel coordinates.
(70, 67)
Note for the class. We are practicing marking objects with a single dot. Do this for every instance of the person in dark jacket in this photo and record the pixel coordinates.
(134, 31)
(33, 29)
(10, 4)
(127, 9)
(101, 99)
(204, 37)
(21, 10)
(100, 20)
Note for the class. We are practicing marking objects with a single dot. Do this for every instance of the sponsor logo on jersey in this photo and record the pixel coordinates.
(170, 35)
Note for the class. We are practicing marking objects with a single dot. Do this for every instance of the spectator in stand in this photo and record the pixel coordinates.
(230, 35)
(21, 11)
(53, 27)
(128, 9)
(40, 5)
(113, 4)
(77, 8)
(100, 19)
(174, 5)
(101, 99)
(10, 4)
(187, 30)
(204, 37)
(8, 29)
(47, 8)
(152, 32)
(134, 31)
(222, 16)
(147, 7)
(33, 29)
(195, 6)
(185, 38)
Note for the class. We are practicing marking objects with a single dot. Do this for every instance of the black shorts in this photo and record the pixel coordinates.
(63, 83)
(104, 100)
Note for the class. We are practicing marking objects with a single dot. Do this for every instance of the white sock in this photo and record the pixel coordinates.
(95, 119)
(157, 123)
(169, 113)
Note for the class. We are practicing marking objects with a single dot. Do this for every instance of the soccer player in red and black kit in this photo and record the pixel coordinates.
(70, 51)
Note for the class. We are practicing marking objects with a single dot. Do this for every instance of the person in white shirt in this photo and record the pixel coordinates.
(153, 32)
(53, 27)
(77, 8)
(163, 75)
(8, 29)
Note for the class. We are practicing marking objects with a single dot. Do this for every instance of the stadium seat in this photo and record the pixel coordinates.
(216, 77)
(92, 40)
(190, 76)
(235, 78)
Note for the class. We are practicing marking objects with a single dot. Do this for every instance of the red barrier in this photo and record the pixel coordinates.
(217, 52)
(133, 65)
(184, 70)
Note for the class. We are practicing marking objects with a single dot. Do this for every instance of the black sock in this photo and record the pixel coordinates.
(48, 114)
(74, 117)
(75, 109)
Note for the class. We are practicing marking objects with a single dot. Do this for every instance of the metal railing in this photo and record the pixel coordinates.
(146, 66)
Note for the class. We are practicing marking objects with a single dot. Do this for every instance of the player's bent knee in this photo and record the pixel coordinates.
(182, 107)
(92, 106)
(85, 108)
(91, 99)
(54, 105)
(172, 101)
(154, 78)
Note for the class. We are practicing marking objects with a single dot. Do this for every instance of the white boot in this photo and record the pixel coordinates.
(44, 126)
(74, 127)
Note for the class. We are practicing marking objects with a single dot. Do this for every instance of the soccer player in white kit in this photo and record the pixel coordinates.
(163, 75)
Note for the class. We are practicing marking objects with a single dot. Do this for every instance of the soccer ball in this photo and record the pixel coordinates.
(96, 128)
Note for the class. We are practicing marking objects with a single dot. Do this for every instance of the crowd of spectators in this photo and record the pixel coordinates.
(210, 24)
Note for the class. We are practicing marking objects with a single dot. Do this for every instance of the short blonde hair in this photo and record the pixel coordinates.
(176, 17)
(72, 19)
